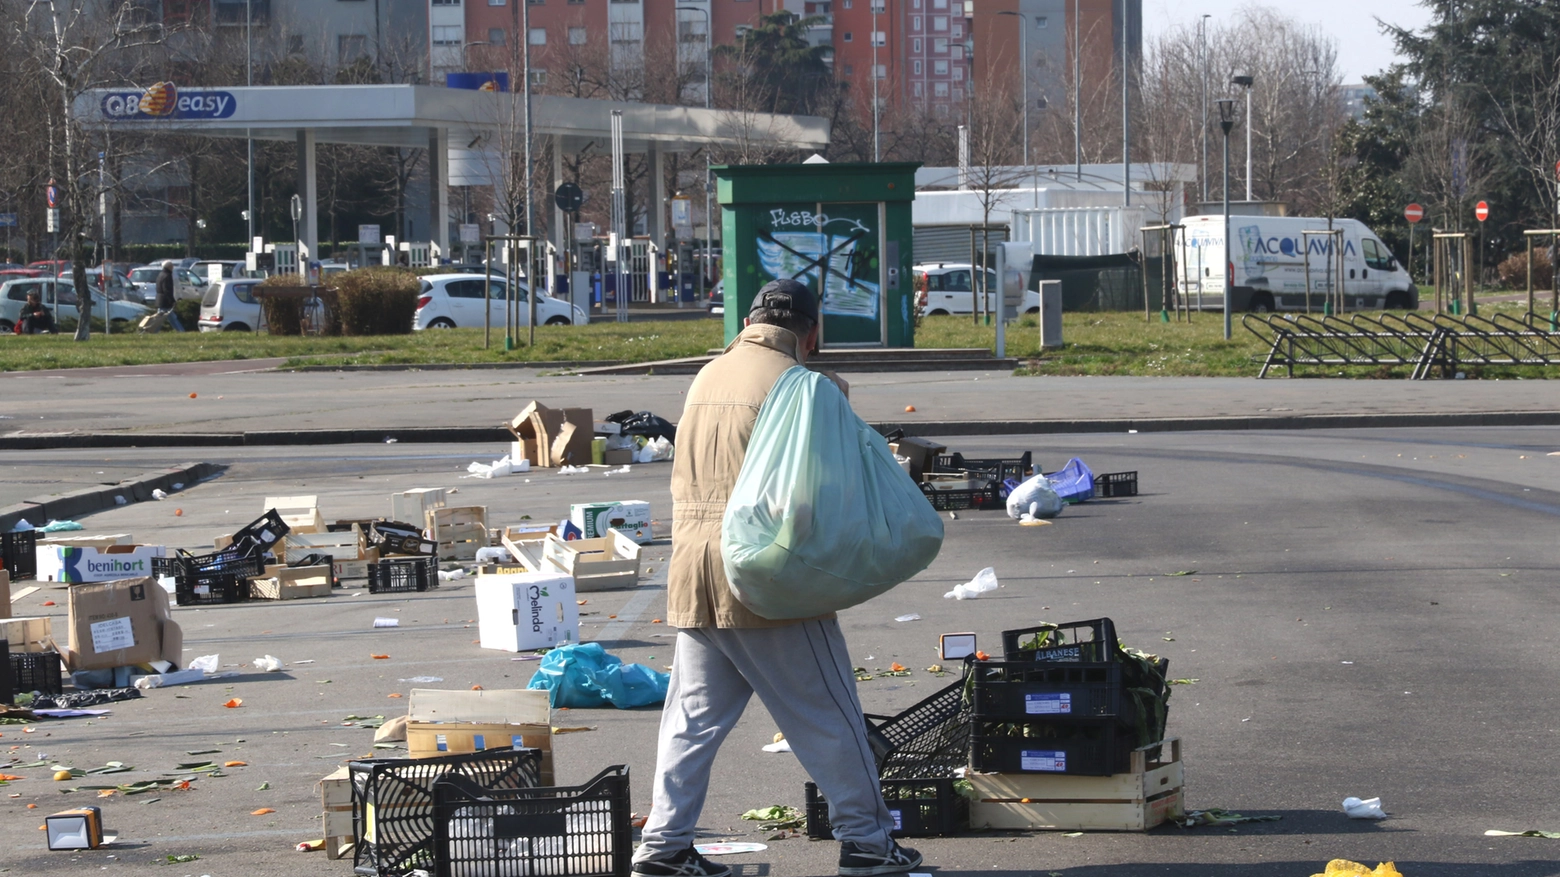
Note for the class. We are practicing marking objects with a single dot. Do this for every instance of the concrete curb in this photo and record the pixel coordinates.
(86, 500)
(555, 365)
(498, 435)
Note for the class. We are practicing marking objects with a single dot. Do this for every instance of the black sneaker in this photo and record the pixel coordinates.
(687, 863)
(857, 862)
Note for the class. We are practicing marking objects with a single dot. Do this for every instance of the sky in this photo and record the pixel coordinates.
(1362, 48)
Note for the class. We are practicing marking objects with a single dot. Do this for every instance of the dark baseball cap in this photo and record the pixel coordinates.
(786, 295)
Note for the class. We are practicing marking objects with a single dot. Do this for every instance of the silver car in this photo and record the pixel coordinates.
(230, 306)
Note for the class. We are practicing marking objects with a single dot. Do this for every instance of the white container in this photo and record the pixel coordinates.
(523, 611)
(596, 519)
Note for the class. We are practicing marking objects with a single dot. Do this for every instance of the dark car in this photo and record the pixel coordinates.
(715, 303)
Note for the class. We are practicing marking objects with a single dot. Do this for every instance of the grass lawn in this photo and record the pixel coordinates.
(1095, 344)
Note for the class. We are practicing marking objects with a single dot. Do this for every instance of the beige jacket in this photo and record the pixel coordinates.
(712, 439)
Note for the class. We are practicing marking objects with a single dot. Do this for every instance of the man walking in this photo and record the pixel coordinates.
(800, 670)
(165, 297)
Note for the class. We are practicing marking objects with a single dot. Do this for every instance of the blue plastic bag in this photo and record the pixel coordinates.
(1073, 482)
(581, 675)
(821, 517)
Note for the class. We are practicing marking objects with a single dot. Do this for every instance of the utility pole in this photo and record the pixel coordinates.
(1246, 81)
(1202, 74)
(525, 34)
(1126, 119)
(709, 56)
(249, 79)
(876, 144)
(1023, 66)
(1077, 98)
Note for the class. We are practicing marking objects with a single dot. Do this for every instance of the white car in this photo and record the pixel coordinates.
(185, 284)
(60, 297)
(450, 301)
(230, 306)
(946, 288)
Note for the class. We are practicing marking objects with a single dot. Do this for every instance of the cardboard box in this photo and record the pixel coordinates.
(1148, 794)
(596, 518)
(85, 563)
(118, 624)
(526, 611)
(291, 583)
(552, 437)
(355, 569)
(336, 801)
(922, 454)
(620, 457)
(596, 564)
(445, 722)
(100, 541)
(34, 634)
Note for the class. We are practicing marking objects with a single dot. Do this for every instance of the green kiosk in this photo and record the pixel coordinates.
(842, 229)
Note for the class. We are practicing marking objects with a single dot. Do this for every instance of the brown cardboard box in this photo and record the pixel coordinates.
(554, 437)
(291, 583)
(445, 722)
(117, 624)
(922, 454)
(5, 594)
(619, 457)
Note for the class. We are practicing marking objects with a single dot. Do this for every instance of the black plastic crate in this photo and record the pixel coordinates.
(1087, 641)
(996, 468)
(1024, 692)
(18, 554)
(920, 808)
(928, 740)
(956, 499)
(6, 694)
(393, 802)
(35, 671)
(403, 574)
(209, 579)
(1115, 484)
(393, 537)
(558, 831)
(1094, 747)
(257, 537)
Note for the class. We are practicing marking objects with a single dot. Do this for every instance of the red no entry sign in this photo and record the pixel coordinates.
(1481, 211)
(1413, 213)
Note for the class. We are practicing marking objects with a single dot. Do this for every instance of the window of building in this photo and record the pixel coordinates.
(496, 36)
(495, 2)
(940, 23)
(915, 4)
(915, 22)
(916, 67)
(850, 70)
(446, 2)
(538, 35)
(939, 4)
(915, 45)
(1040, 21)
(448, 34)
(958, 30)
(350, 47)
(742, 30)
(535, 2)
(958, 73)
(538, 78)
(939, 45)
(577, 36)
(916, 89)
(940, 68)
(881, 70)
(626, 31)
(847, 4)
(879, 38)
(939, 89)
(878, 8)
(847, 37)
(956, 53)
(958, 94)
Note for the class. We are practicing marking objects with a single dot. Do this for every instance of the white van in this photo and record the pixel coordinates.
(1270, 262)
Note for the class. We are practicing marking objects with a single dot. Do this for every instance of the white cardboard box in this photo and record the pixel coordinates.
(595, 519)
(522, 611)
(83, 563)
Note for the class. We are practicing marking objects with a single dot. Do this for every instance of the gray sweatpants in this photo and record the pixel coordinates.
(802, 674)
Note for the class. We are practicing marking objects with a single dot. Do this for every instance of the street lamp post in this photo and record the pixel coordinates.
(1023, 50)
(1226, 122)
(1077, 98)
(1202, 75)
(876, 139)
(1126, 117)
(709, 60)
(1246, 82)
(249, 79)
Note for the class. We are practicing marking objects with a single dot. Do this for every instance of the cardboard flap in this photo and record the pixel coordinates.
(516, 707)
(172, 642)
(558, 450)
(522, 426)
(5, 594)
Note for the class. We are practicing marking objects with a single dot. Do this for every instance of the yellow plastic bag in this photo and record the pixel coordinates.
(1346, 868)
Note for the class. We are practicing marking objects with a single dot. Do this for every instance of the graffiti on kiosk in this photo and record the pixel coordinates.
(827, 259)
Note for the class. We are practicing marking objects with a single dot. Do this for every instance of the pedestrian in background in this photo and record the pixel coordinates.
(35, 319)
(165, 299)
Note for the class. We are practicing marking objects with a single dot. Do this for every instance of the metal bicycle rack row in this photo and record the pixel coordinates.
(1440, 342)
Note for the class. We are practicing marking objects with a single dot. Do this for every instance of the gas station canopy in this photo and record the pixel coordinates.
(427, 117)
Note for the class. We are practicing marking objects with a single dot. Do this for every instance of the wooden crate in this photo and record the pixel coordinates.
(356, 569)
(460, 531)
(443, 722)
(597, 564)
(34, 634)
(414, 505)
(291, 583)
(345, 545)
(300, 513)
(1150, 793)
(336, 799)
(525, 545)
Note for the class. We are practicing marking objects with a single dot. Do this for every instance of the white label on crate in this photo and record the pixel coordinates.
(112, 635)
(1038, 759)
(1048, 704)
(441, 742)
(899, 823)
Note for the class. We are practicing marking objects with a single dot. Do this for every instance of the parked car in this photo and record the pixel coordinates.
(230, 268)
(451, 301)
(716, 302)
(185, 283)
(230, 306)
(120, 287)
(14, 273)
(59, 296)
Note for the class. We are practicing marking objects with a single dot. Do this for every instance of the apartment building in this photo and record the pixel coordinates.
(391, 33)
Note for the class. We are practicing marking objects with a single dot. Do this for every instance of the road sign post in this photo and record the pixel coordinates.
(1481, 212)
(1413, 213)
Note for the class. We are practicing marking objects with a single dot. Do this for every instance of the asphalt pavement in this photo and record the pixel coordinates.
(1364, 612)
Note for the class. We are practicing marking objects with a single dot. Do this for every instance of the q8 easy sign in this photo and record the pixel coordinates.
(165, 101)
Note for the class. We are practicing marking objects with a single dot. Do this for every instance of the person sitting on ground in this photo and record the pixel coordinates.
(35, 319)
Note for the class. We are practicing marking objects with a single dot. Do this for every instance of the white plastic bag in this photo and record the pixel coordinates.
(985, 580)
(654, 451)
(1034, 497)
(1370, 808)
(821, 517)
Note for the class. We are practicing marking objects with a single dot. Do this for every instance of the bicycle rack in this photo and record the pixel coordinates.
(1440, 342)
